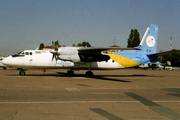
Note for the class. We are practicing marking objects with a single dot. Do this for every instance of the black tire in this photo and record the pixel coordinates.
(89, 74)
(21, 72)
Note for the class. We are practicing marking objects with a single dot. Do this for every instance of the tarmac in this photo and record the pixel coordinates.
(126, 94)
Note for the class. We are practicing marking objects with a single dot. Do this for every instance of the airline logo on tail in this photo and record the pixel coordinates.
(150, 41)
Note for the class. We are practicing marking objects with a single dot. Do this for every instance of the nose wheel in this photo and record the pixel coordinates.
(21, 72)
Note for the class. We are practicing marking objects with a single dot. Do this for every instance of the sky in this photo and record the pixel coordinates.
(24, 24)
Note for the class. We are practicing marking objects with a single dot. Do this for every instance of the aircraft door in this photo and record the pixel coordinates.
(30, 60)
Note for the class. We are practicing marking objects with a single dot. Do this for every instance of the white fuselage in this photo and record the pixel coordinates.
(42, 59)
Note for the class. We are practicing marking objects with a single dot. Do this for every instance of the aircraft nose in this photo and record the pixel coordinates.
(7, 61)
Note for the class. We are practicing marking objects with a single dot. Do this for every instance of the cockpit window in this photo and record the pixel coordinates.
(20, 54)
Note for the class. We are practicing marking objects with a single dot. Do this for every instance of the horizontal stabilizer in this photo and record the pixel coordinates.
(162, 53)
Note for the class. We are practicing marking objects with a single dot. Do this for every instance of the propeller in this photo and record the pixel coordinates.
(55, 54)
(55, 51)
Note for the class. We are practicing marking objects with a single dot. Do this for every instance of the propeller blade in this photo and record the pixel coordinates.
(52, 57)
(55, 54)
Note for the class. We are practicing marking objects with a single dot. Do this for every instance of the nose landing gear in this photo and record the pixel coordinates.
(21, 72)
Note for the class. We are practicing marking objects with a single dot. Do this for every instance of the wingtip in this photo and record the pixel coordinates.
(137, 49)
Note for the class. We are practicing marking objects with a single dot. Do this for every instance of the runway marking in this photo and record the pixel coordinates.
(20, 86)
(62, 102)
(45, 87)
(164, 111)
(84, 85)
(72, 89)
(119, 88)
(102, 93)
(105, 114)
(19, 76)
(81, 78)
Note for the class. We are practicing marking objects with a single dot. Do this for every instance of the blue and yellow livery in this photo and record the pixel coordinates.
(144, 54)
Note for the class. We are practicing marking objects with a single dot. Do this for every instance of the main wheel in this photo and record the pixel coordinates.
(89, 74)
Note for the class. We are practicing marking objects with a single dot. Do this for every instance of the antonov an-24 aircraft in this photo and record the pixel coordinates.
(78, 58)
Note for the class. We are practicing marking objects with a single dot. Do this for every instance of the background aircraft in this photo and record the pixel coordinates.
(78, 58)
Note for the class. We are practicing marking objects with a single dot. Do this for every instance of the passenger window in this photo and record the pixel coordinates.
(26, 53)
(113, 61)
(30, 53)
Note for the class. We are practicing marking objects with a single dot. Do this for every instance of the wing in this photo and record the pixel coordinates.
(99, 50)
(162, 53)
(95, 54)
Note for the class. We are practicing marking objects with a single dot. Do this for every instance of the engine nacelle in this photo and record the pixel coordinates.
(68, 54)
(72, 58)
(68, 50)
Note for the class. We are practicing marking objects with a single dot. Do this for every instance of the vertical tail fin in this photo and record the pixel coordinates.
(148, 44)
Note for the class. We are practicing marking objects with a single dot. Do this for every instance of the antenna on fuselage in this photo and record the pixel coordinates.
(114, 40)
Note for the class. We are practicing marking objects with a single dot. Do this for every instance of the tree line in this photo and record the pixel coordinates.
(56, 43)
(174, 58)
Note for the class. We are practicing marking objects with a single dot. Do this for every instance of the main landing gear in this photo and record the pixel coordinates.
(89, 73)
(21, 72)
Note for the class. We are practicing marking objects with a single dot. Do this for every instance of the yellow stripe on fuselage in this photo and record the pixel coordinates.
(123, 61)
(37, 53)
